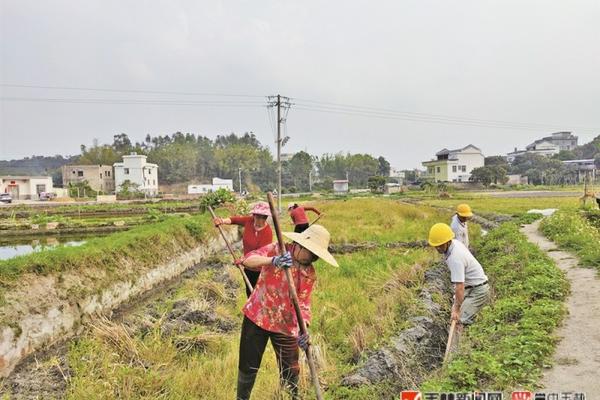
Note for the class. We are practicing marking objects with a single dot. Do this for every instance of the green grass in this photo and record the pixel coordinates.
(571, 230)
(121, 255)
(508, 206)
(512, 338)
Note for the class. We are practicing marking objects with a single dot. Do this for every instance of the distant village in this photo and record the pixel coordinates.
(134, 174)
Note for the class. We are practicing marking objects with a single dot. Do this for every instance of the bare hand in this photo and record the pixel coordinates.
(218, 221)
(455, 315)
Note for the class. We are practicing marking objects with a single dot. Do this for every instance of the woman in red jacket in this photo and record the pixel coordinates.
(299, 218)
(257, 233)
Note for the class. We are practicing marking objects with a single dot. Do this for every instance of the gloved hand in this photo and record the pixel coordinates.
(303, 341)
(282, 261)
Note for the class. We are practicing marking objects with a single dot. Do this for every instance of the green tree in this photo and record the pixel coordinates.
(384, 166)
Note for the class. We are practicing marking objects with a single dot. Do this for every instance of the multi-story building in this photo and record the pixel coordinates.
(454, 165)
(99, 177)
(141, 175)
(547, 146)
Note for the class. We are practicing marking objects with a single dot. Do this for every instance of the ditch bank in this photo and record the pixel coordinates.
(414, 352)
(42, 309)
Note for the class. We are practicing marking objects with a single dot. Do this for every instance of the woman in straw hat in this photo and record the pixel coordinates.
(257, 233)
(269, 313)
(299, 217)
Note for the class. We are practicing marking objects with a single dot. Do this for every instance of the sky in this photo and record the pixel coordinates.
(412, 77)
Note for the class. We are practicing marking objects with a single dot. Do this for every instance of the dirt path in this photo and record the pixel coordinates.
(576, 365)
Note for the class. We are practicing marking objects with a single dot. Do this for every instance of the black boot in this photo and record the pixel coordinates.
(245, 384)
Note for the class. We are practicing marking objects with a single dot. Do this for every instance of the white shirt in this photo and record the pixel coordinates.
(463, 266)
(460, 229)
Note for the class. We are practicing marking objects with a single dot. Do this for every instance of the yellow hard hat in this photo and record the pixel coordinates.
(439, 234)
(464, 210)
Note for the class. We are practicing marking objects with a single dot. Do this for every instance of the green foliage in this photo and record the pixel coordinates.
(529, 218)
(377, 184)
(570, 229)
(216, 198)
(490, 174)
(512, 338)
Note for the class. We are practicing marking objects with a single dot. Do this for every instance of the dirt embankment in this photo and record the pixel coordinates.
(46, 375)
(416, 351)
(45, 309)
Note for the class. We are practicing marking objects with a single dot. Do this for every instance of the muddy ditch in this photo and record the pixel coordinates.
(412, 353)
(46, 374)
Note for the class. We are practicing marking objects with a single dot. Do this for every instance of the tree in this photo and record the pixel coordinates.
(299, 168)
(377, 183)
(489, 174)
(495, 160)
(384, 166)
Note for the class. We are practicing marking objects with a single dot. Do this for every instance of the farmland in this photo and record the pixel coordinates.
(182, 342)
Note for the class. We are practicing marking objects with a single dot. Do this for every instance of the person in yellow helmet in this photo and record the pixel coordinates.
(459, 223)
(471, 288)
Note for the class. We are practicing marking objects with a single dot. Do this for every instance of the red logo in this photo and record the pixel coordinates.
(522, 396)
(410, 395)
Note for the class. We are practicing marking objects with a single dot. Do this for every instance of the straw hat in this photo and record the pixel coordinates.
(316, 240)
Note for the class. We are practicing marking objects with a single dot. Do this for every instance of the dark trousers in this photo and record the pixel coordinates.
(253, 278)
(300, 228)
(253, 342)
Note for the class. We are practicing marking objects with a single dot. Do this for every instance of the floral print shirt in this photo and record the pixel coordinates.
(270, 305)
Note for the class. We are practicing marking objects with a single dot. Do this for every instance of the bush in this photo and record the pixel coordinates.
(216, 198)
(570, 229)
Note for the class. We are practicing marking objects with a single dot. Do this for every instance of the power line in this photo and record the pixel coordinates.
(444, 121)
(347, 108)
(127, 90)
(238, 103)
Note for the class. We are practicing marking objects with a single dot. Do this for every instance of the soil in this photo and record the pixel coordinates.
(45, 374)
(576, 365)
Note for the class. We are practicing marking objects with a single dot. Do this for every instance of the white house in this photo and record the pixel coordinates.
(217, 183)
(454, 165)
(547, 146)
(137, 171)
(25, 187)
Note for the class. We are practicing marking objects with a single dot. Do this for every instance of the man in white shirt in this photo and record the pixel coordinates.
(471, 289)
(459, 223)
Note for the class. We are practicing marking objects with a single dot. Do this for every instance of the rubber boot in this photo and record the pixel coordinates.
(245, 384)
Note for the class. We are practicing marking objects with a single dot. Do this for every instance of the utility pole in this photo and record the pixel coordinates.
(279, 193)
(240, 179)
(279, 102)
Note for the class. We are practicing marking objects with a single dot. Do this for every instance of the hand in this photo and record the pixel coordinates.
(283, 261)
(304, 341)
(455, 314)
(239, 262)
(218, 221)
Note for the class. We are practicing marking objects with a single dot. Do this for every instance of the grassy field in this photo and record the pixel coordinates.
(356, 308)
(513, 206)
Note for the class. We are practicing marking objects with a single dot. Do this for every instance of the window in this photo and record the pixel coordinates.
(438, 170)
(100, 176)
(73, 171)
(463, 168)
(108, 173)
(126, 171)
(79, 173)
(454, 168)
(154, 181)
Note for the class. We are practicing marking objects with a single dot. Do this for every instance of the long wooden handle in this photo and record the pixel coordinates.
(450, 337)
(246, 280)
(294, 295)
(316, 219)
